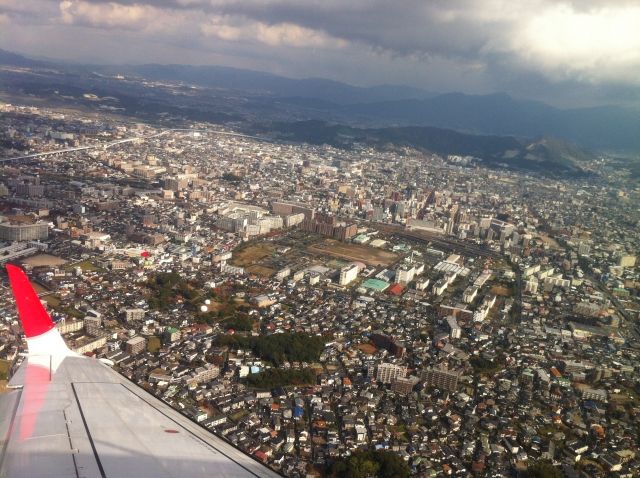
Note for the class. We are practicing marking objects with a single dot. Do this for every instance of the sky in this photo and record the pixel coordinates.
(567, 53)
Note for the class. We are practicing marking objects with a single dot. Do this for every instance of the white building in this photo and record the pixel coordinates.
(469, 294)
(405, 274)
(348, 274)
(455, 332)
(388, 372)
(134, 314)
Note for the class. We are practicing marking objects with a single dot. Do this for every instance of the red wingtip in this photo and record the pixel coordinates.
(34, 318)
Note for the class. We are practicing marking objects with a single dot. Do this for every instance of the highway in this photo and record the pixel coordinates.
(127, 140)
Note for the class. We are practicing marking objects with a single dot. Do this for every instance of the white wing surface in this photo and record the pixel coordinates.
(72, 416)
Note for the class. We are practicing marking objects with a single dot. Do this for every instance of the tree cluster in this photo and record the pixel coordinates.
(370, 464)
(482, 365)
(543, 469)
(232, 178)
(278, 348)
(241, 323)
(276, 377)
(165, 289)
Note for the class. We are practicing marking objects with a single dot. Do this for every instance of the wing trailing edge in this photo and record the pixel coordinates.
(35, 319)
(42, 335)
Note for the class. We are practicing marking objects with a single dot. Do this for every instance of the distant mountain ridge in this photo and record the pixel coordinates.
(606, 128)
(267, 83)
(548, 156)
(14, 59)
(601, 128)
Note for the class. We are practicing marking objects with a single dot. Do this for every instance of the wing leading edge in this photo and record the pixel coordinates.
(72, 416)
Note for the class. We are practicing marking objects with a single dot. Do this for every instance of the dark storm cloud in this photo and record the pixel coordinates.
(472, 45)
(406, 28)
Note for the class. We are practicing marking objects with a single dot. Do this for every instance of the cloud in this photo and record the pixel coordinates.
(281, 34)
(472, 45)
(595, 41)
(602, 44)
(108, 15)
(183, 15)
(29, 12)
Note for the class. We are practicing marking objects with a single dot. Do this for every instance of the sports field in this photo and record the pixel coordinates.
(44, 260)
(251, 254)
(259, 270)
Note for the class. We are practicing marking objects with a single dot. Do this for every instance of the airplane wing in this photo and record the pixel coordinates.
(69, 415)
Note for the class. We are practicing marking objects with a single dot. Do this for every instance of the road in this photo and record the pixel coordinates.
(609, 295)
(128, 140)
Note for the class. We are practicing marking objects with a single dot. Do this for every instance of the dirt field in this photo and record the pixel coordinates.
(52, 300)
(215, 306)
(549, 241)
(620, 399)
(44, 260)
(501, 291)
(354, 252)
(367, 348)
(38, 288)
(86, 266)
(337, 263)
(252, 254)
(260, 270)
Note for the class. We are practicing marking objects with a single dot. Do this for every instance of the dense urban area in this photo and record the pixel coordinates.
(329, 311)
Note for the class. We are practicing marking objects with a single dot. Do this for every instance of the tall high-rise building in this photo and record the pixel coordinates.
(133, 314)
(404, 385)
(584, 248)
(440, 378)
(388, 343)
(33, 190)
(388, 372)
(405, 274)
(455, 332)
(92, 325)
(136, 345)
(348, 274)
(283, 208)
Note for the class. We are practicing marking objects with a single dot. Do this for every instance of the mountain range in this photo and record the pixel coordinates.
(495, 127)
(545, 156)
(603, 128)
